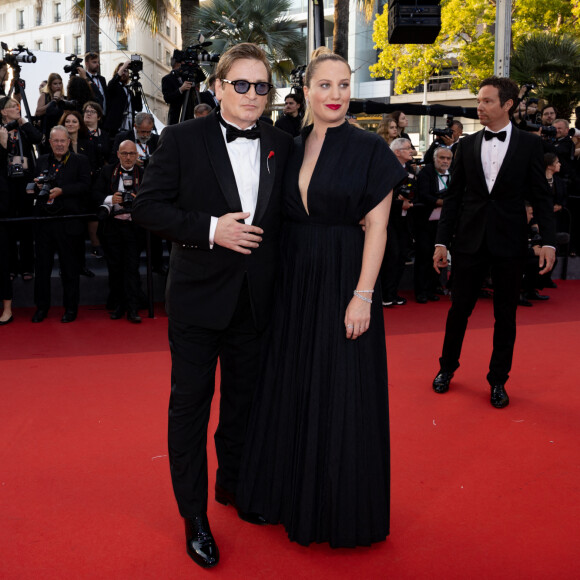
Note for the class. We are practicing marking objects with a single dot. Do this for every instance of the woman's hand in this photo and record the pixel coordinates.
(358, 317)
(3, 137)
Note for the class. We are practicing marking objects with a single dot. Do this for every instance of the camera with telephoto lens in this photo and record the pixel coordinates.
(13, 57)
(546, 131)
(136, 65)
(75, 62)
(406, 189)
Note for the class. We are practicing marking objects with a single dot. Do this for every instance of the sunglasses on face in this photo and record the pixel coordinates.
(242, 87)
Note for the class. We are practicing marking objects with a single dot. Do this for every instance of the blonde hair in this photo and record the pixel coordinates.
(320, 55)
(383, 128)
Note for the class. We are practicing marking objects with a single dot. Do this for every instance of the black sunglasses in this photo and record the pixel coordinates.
(242, 87)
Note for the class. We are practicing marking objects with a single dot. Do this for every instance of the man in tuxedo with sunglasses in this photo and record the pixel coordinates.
(213, 186)
(483, 222)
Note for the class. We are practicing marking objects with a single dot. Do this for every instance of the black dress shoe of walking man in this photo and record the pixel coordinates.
(201, 546)
(499, 398)
(39, 315)
(69, 316)
(225, 497)
(441, 382)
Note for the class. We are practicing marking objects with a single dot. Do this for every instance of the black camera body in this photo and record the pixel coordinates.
(12, 125)
(547, 131)
(442, 132)
(128, 190)
(75, 62)
(297, 77)
(136, 65)
(46, 181)
(407, 188)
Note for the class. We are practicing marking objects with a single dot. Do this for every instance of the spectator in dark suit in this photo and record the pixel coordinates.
(291, 120)
(142, 135)
(432, 183)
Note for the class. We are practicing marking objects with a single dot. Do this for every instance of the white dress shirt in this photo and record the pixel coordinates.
(244, 156)
(117, 206)
(443, 181)
(492, 155)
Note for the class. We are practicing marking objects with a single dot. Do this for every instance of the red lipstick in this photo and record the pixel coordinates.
(334, 107)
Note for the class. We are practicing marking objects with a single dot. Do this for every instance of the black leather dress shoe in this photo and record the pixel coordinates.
(535, 295)
(199, 542)
(133, 316)
(433, 297)
(226, 497)
(69, 316)
(499, 398)
(86, 272)
(118, 313)
(441, 382)
(421, 299)
(39, 315)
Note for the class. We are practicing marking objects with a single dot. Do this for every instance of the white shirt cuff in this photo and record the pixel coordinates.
(212, 227)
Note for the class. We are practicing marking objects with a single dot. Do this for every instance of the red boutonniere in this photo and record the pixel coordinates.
(270, 155)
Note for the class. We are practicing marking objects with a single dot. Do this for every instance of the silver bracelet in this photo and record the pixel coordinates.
(364, 298)
(365, 291)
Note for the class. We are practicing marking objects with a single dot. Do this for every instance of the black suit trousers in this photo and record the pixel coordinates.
(122, 241)
(469, 271)
(194, 355)
(425, 278)
(60, 237)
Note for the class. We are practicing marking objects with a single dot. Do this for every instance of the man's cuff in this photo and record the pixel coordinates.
(212, 228)
(108, 200)
(546, 246)
(440, 246)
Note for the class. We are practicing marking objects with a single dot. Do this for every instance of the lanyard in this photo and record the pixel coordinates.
(445, 182)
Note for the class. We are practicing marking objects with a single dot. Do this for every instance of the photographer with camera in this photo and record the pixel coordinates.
(52, 92)
(142, 135)
(91, 73)
(291, 120)
(61, 189)
(432, 184)
(398, 231)
(448, 137)
(17, 137)
(174, 88)
(124, 99)
(122, 239)
(5, 239)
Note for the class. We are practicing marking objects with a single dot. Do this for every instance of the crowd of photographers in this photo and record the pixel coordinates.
(94, 143)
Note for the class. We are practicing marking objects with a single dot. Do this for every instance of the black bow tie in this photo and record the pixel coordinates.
(490, 135)
(232, 133)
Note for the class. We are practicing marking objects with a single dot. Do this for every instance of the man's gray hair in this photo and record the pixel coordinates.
(439, 150)
(566, 124)
(400, 143)
(60, 128)
(141, 117)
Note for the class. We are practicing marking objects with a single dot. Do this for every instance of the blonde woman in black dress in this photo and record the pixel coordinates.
(317, 454)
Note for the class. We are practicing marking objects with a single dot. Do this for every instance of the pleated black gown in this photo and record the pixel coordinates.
(317, 452)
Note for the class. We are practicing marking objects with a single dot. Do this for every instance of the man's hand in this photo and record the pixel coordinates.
(117, 197)
(236, 236)
(440, 258)
(448, 141)
(547, 259)
(55, 192)
(185, 86)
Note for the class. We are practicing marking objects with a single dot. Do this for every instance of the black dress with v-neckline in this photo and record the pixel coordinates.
(317, 449)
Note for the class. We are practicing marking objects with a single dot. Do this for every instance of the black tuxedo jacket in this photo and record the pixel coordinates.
(130, 136)
(98, 95)
(207, 98)
(472, 216)
(190, 179)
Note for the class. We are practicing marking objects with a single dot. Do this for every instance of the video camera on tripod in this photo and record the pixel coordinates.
(444, 131)
(13, 57)
(191, 58)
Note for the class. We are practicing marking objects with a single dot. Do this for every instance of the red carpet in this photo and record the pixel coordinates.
(476, 493)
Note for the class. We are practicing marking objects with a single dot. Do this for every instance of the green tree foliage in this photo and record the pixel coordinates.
(264, 22)
(467, 38)
(552, 63)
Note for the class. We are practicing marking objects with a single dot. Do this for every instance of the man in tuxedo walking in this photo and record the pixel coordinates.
(483, 219)
(213, 186)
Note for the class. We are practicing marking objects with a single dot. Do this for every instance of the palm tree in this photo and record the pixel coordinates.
(150, 12)
(552, 63)
(262, 22)
(341, 18)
